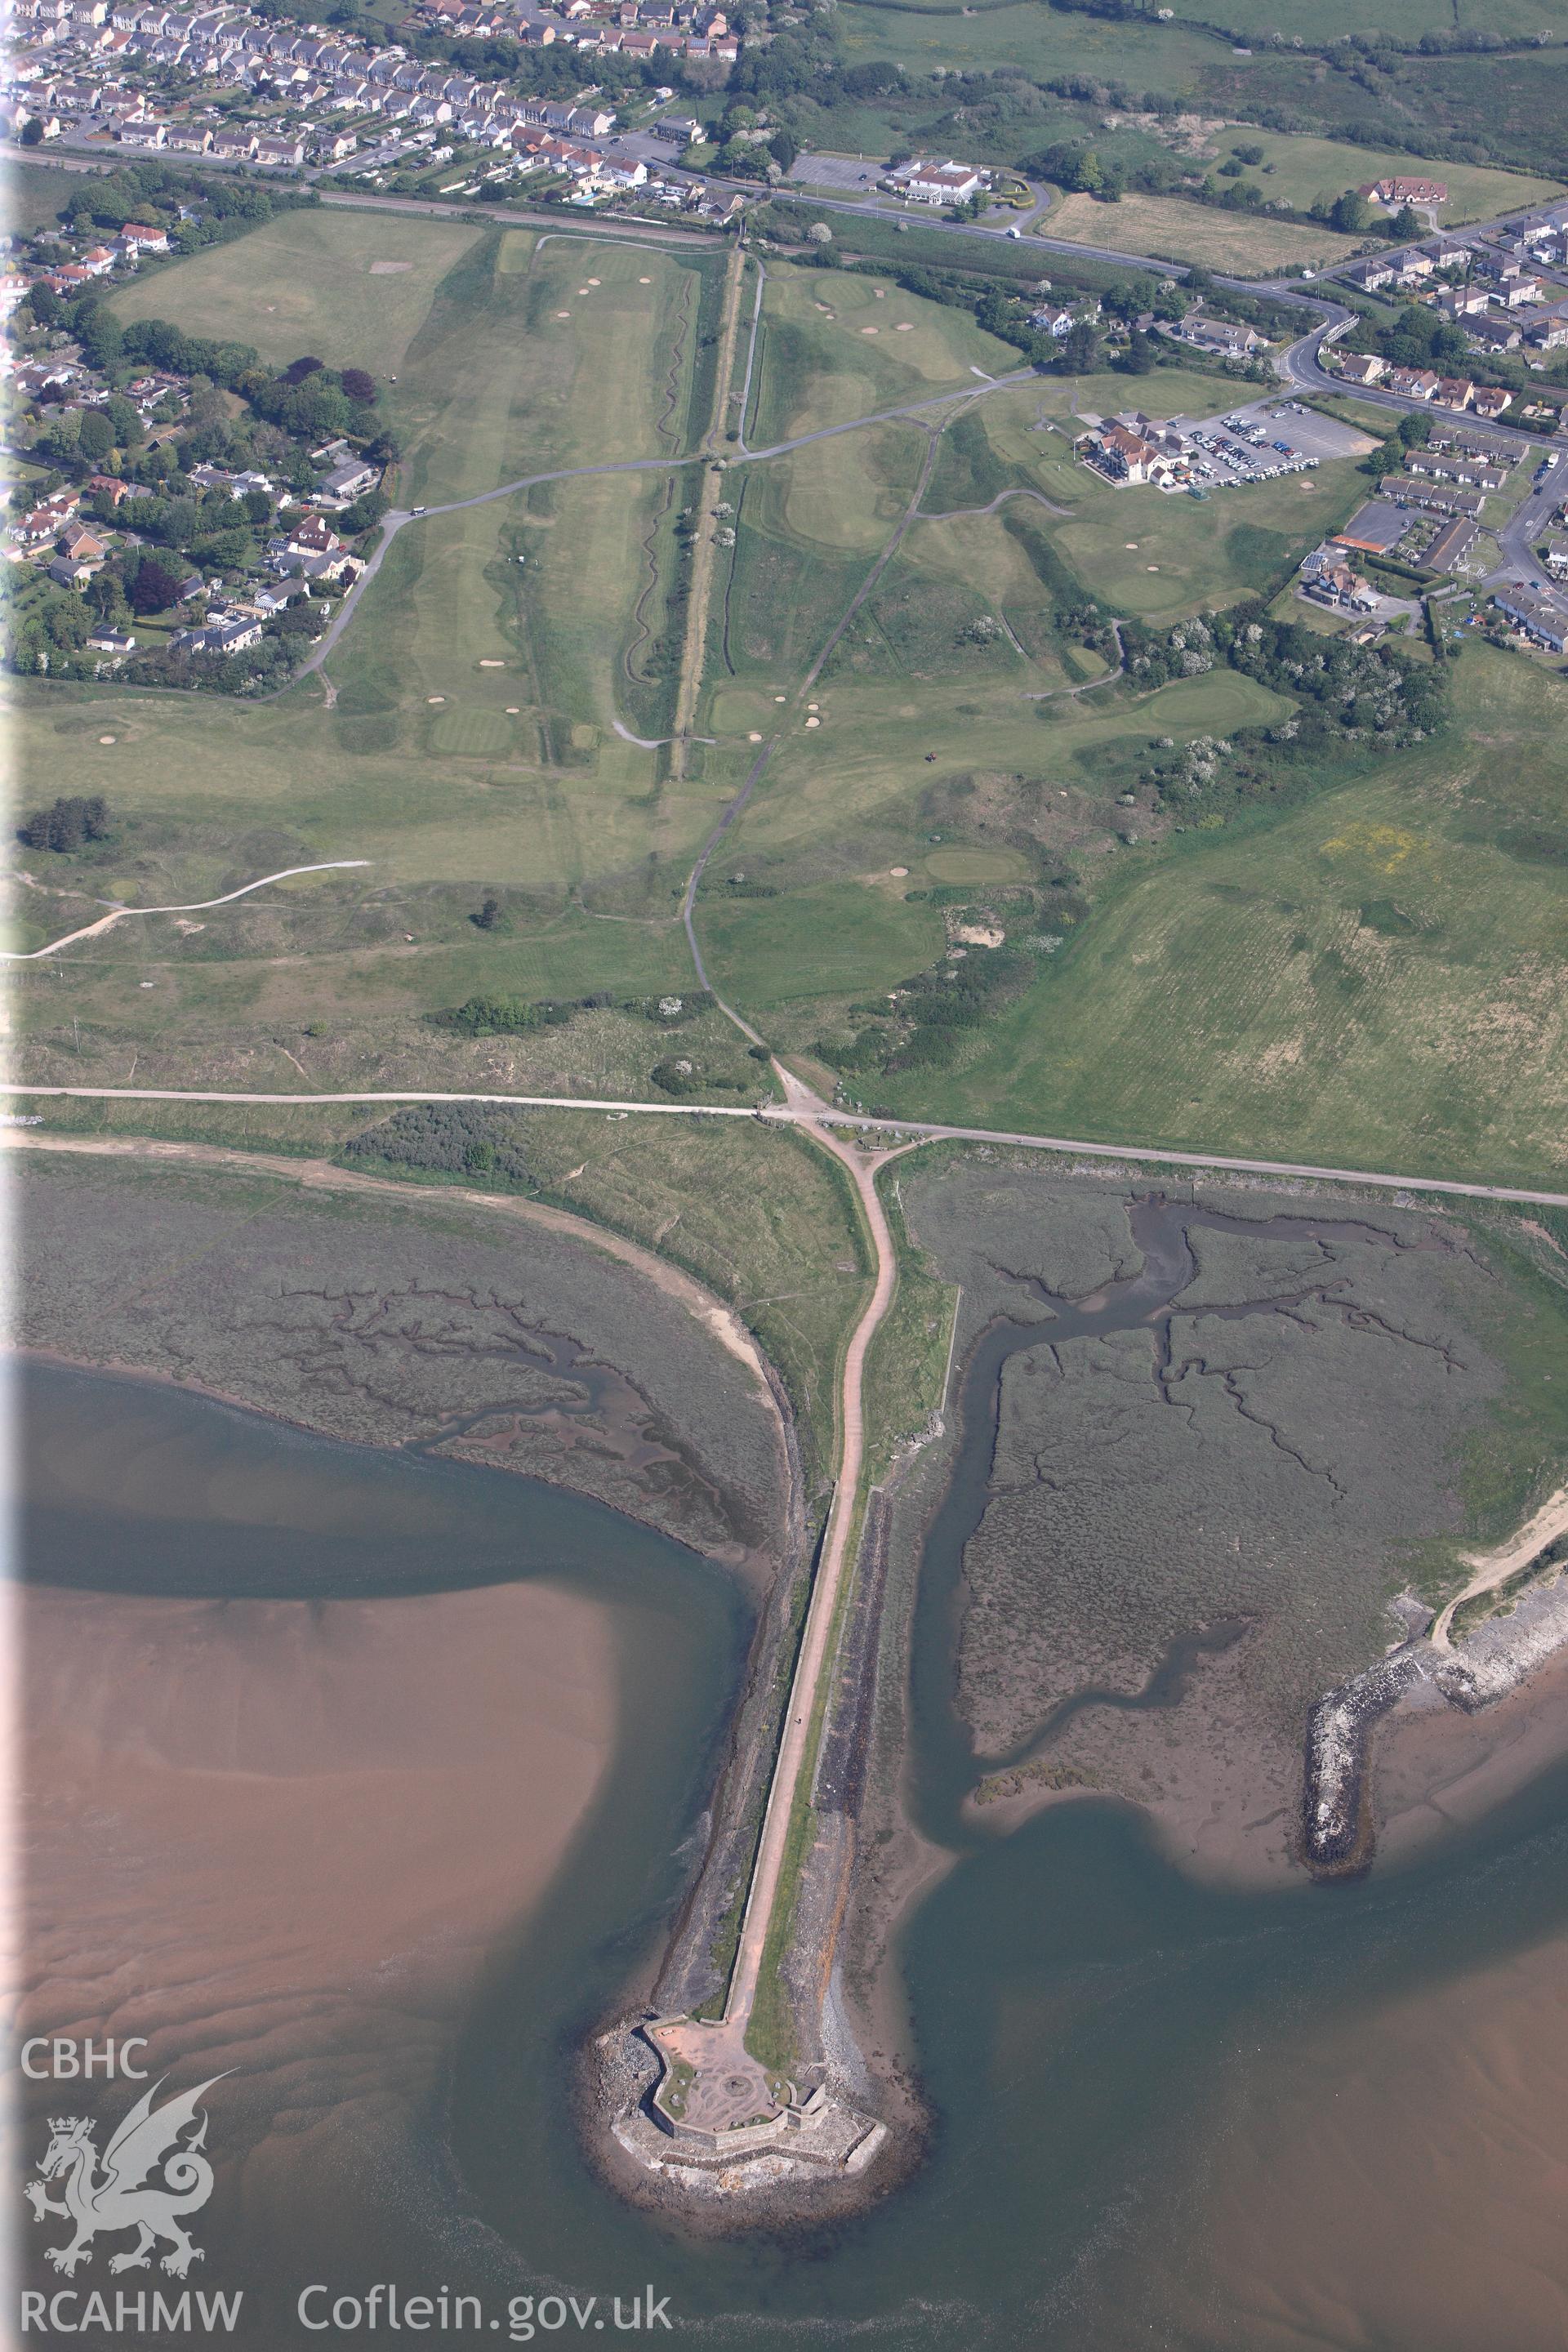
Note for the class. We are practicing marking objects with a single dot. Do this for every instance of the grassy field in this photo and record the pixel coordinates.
(1224, 989)
(1171, 230)
(472, 743)
(1406, 20)
(840, 821)
(1295, 171)
(472, 747)
(1376, 979)
(1146, 554)
(353, 287)
(34, 195)
(1044, 41)
(807, 526)
(760, 1215)
(1159, 557)
(1035, 38)
(834, 347)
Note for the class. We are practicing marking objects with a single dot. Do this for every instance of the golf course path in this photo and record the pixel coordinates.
(197, 907)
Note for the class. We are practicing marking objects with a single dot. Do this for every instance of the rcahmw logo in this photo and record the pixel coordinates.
(152, 2175)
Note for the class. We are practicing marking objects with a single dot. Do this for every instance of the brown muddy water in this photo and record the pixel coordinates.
(374, 1779)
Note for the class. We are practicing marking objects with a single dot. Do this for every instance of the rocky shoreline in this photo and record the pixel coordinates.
(1339, 1828)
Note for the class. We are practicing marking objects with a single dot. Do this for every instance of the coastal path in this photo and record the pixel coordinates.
(795, 1747)
(898, 1131)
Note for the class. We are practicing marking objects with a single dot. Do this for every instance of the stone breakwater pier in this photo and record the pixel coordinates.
(1337, 1827)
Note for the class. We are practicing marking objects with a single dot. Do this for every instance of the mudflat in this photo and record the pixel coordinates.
(1396, 2180)
(284, 1837)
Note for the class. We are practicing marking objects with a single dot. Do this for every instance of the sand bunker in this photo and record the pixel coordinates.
(388, 268)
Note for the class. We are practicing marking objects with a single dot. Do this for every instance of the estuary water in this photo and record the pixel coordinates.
(1165, 2113)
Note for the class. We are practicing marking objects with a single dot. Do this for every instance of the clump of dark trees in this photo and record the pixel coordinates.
(449, 1139)
(515, 1016)
(71, 824)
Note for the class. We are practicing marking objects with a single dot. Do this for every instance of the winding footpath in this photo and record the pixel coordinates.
(117, 914)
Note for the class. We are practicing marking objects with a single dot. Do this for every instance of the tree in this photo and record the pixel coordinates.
(105, 598)
(95, 437)
(486, 916)
(43, 304)
(100, 334)
(176, 527)
(60, 442)
(297, 370)
(257, 508)
(154, 588)
(1080, 348)
(32, 131)
(359, 386)
(819, 234)
(1140, 353)
(1351, 214)
(67, 826)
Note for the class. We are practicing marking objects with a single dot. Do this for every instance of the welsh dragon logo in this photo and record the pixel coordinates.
(148, 2181)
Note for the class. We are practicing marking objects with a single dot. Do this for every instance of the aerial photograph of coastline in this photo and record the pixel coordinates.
(787, 1175)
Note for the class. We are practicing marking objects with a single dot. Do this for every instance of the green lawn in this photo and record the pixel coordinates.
(847, 793)
(1374, 976)
(1159, 557)
(512, 351)
(1406, 20)
(842, 938)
